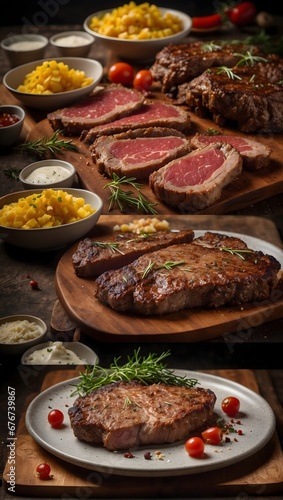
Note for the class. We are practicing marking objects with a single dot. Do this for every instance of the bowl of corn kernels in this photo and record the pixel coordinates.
(52, 84)
(138, 32)
(47, 219)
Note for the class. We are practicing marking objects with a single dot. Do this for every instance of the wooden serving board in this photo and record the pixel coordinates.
(248, 188)
(99, 321)
(260, 475)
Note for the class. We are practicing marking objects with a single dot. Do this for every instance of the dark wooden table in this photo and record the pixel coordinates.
(256, 348)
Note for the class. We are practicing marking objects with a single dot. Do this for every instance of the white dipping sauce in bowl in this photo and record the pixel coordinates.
(48, 175)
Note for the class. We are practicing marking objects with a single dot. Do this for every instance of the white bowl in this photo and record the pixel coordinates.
(48, 173)
(15, 77)
(21, 49)
(10, 134)
(52, 237)
(81, 350)
(139, 49)
(72, 43)
(17, 348)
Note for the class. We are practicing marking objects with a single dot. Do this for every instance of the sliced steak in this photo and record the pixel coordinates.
(138, 153)
(196, 180)
(209, 272)
(102, 106)
(255, 155)
(151, 114)
(250, 100)
(93, 257)
(125, 415)
(177, 64)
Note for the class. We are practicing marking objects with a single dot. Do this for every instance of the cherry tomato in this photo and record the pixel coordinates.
(206, 22)
(143, 80)
(242, 14)
(55, 418)
(43, 471)
(230, 406)
(212, 435)
(121, 72)
(194, 447)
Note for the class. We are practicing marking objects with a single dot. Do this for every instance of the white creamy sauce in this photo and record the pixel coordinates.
(48, 175)
(54, 354)
(72, 41)
(26, 45)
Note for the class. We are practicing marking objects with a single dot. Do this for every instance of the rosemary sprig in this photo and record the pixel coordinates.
(229, 72)
(248, 59)
(147, 370)
(235, 251)
(123, 198)
(13, 174)
(44, 145)
(114, 247)
(169, 264)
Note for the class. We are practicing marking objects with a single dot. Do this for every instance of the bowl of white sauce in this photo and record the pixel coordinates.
(22, 49)
(20, 332)
(72, 43)
(50, 173)
(59, 353)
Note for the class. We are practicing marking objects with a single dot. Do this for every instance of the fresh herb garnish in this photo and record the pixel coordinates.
(169, 264)
(114, 247)
(13, 174)
(44, 145)
(248, 59)
(235, 251)
(147, 370)
(123, 198)
(228, 71)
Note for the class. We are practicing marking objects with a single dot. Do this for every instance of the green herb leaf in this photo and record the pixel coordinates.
(121, 198)
(44, 145)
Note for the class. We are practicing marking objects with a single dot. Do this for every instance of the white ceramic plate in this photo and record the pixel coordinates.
(257, 424)
(81, 350)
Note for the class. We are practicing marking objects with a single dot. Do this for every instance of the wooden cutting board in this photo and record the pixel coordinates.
(77, 294)
(260, 475)
(248, 188)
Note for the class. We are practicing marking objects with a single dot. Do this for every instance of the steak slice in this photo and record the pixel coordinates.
(195, 181)
(210, 272)
(250, 100)
(125, 415)
(177, 64)
(150, 114)
(139, 152)
(94, 257)
(255, 155)
(102, 106)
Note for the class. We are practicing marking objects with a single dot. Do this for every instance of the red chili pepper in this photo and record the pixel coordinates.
(206, 22)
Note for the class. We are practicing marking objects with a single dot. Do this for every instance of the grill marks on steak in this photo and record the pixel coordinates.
(91, 259)
(196, 180)
(206, 276)
(150, 114)
(139, 152)
(100, 107)
(255, 155)
(125, 415)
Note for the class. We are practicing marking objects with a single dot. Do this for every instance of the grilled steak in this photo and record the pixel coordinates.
(177, 64)
(107, 104)
(154, 414)
(255, 155)
(94, 257)
(204, 275)
(250, 100)
(195, 181)
(151, 114)
(139, 152)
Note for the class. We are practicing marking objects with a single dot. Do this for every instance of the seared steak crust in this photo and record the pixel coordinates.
(206, 275)
(125, 415)
(93, 257)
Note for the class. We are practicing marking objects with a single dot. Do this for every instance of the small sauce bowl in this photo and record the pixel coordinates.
(11, 124)
(21, 49)
(72, 43)
(48, 174)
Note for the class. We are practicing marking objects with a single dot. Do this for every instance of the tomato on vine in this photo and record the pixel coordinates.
(121, 72)
(212, 435)
(230, 405)
(242, 13)
(43, 471)
(194, 447)
(143, 80)
(55, 418)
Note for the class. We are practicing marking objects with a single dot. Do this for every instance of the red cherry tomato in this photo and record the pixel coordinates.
(194, 447)
(121, 72)
(143, 80)
(212, 435)
(206, 22)
(55, 418)
(230, 406)
(242, 14)
(43, 471)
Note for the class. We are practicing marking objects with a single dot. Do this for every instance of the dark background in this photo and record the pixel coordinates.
(45, 12)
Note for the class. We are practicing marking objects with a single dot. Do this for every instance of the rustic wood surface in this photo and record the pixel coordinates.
(264, 472)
